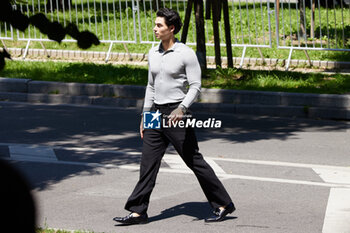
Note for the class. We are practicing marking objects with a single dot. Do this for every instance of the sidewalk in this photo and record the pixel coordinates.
(322, 106)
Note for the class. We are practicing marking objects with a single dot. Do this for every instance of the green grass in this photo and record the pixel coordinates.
(218, 78)
(76, 72)
(278, 81)
(254, 31)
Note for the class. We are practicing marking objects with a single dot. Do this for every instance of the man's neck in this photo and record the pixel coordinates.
(167, 44)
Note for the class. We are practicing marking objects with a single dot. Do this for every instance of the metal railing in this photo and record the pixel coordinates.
(6, 32)
(110, 20)
(312, 25)
(113, 21)
(299, 24)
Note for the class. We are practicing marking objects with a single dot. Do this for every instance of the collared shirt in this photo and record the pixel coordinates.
(173, 76)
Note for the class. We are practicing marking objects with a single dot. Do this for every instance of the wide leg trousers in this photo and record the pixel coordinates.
(155, 143)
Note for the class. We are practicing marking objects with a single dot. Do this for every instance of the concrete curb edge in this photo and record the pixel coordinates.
(325, 106)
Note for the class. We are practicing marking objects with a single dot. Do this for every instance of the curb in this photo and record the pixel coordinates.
(323, 106)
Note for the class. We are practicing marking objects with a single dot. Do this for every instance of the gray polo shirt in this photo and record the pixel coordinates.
(173, 76)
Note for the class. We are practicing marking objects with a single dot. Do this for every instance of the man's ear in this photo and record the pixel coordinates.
(172, 28)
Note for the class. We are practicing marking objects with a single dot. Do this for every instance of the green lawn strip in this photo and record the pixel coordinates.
(280, 81)
(76, 72)
(219, 78)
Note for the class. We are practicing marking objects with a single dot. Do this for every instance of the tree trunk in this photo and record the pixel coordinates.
(62, 4)
(302, 32)
(156, 5)
(323, 3)
(312, 29)
(215, 10)
(201, 49)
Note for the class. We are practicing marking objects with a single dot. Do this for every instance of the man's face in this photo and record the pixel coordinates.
(161, 30)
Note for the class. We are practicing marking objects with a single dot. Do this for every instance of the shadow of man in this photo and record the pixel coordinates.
(198, 210)
(17, 203)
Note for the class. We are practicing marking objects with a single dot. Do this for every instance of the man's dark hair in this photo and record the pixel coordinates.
(171, 18)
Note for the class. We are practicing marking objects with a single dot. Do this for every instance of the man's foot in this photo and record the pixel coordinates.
(220, 214)
(131, 219)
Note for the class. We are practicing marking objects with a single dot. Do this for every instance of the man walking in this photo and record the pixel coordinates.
(172, 68)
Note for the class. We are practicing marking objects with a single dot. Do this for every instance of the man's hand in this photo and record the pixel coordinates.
(175, 115)
(141, 128)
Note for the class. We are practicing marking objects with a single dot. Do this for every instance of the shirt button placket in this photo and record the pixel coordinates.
(161, 67)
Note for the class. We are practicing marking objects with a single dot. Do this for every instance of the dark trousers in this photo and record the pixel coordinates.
(155, 143)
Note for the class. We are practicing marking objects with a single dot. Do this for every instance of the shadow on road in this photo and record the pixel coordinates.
(198, 210)
(242, 129)
(104, 128)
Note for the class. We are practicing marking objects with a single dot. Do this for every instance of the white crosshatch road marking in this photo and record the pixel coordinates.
(44, 153)
(338, 211)
(176, 165)
(175, 162)
(32, 153)
(338, 208)
(337, 178)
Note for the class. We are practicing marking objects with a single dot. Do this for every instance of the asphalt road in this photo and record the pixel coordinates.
(284, 175)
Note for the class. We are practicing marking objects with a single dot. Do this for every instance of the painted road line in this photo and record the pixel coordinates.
(117, 151)
(338, 212)
(176, 162)
(287, 181)
(114, 150)
(247, 161)
(217, 169)
(32, 153)
(136, 167)
(281, 164)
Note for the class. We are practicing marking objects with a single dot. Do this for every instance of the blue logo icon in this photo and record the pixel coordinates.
(151, 120)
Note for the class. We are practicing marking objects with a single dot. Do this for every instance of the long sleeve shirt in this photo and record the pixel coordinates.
(173, 76)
